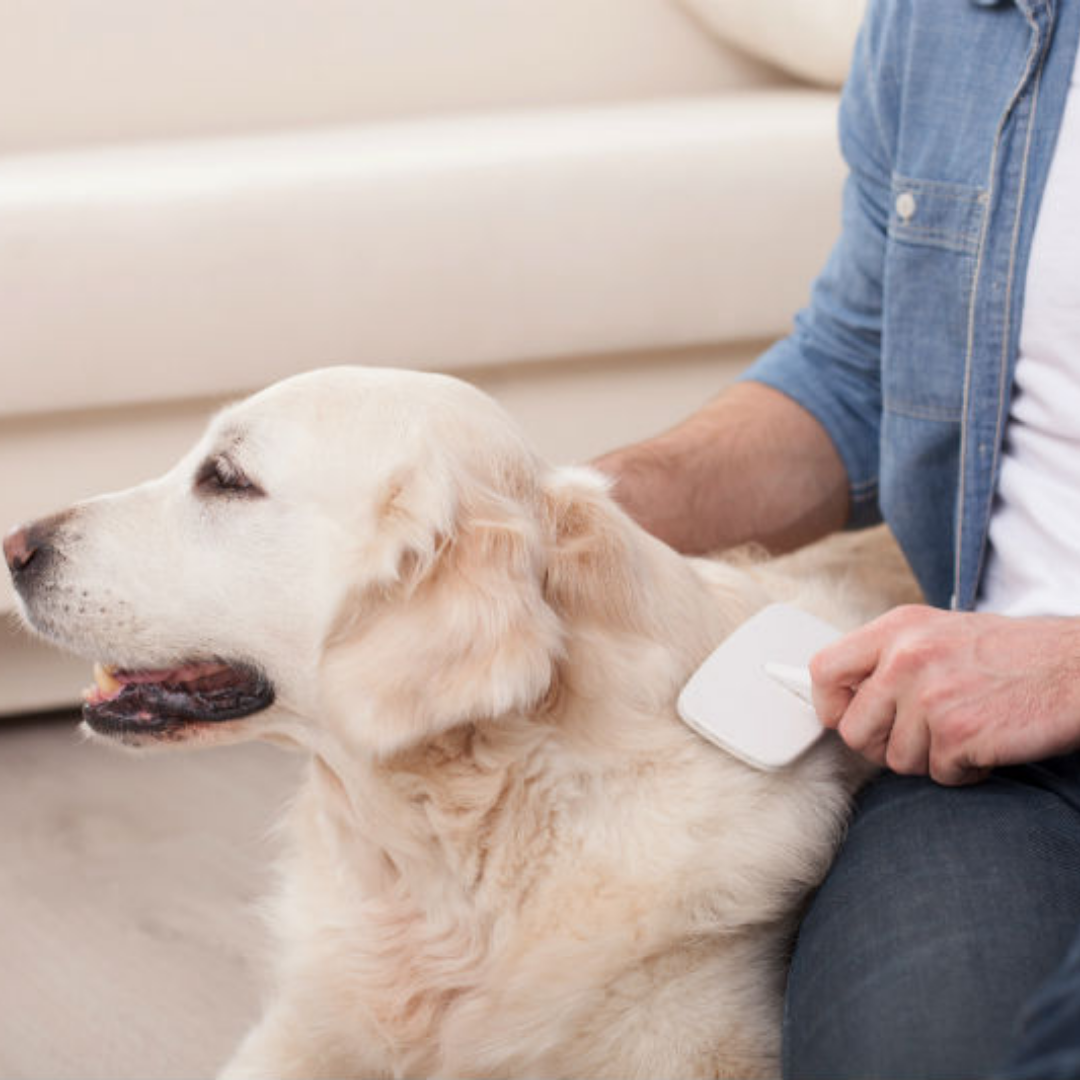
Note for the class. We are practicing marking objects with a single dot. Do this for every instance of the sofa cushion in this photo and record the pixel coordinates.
(810, 39)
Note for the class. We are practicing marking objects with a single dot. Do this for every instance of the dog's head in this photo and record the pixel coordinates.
(378, 551)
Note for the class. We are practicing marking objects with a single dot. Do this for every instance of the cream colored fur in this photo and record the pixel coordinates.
(509, 857)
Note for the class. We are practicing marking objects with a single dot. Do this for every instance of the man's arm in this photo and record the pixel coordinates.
(750, 465)
(757, 463)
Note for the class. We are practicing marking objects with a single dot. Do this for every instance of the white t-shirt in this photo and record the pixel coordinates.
(1033, 561)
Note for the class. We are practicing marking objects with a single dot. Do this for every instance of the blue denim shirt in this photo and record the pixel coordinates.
(906, 350)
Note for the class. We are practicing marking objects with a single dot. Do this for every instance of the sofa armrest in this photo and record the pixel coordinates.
(185, 269)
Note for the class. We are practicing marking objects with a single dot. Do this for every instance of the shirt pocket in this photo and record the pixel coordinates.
(931, 257)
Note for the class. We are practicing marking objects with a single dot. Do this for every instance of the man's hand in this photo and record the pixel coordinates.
(953, 694)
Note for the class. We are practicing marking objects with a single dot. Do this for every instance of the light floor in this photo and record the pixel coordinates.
(129, 943)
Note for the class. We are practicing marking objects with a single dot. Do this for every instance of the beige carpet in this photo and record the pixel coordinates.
(129, 945)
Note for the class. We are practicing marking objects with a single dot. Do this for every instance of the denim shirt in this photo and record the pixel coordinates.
(906, 350)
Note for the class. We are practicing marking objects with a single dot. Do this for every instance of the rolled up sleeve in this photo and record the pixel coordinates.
(831, 362)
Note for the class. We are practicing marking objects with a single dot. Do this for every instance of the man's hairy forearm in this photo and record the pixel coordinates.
(750, 465)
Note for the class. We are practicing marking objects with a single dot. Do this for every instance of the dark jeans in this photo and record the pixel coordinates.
(935, 947)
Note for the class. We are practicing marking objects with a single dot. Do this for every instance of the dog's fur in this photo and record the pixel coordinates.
(509, 857)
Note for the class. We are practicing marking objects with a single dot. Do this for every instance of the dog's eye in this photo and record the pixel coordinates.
(219, 475)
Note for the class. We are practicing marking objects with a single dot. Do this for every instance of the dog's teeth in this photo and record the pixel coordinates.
(106, 683)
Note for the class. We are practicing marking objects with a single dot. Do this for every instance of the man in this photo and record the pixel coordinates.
(934, 380)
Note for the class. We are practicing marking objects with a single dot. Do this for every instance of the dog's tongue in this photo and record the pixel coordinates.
(110, 681)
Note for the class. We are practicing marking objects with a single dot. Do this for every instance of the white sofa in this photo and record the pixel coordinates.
(589, 207)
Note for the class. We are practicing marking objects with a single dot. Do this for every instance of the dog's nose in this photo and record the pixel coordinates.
(29, 549)
(20, 547)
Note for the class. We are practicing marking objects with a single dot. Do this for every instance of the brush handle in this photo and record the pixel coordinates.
(792, 678)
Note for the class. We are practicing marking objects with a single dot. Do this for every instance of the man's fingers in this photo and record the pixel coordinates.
(908, 752)
(956, 773)
(867, 722)
(860, 681)
(955, 764)
(837, 671)
(831, 703)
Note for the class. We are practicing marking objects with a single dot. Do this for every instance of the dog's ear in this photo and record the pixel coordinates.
(463, 635)
(592, 564)
(414, 512)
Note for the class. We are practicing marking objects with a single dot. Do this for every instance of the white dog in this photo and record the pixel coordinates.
(509, 857)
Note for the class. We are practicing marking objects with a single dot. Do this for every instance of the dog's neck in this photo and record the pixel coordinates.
(417, 821)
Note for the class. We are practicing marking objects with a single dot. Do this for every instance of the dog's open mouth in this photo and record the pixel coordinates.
(155, 701)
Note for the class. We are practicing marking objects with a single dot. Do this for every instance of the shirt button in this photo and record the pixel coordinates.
(905, 205)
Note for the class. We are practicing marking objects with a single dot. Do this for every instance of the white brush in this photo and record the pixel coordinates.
(752, 695)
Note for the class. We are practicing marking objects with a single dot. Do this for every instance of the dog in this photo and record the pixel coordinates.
(508, 857)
